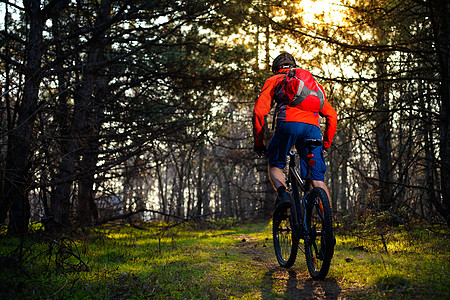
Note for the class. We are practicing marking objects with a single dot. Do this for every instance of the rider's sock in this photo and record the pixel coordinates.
(281, 189)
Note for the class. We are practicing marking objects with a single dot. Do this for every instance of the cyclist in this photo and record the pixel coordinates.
(294, 126)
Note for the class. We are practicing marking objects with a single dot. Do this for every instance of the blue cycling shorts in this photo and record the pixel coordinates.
(288, 134)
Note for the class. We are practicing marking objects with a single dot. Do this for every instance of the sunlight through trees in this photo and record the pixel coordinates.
(142, 109)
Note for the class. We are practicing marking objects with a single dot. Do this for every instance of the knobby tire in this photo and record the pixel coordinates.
(319, 242)
(285, 239)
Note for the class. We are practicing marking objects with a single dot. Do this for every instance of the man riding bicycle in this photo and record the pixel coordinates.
(296, 123)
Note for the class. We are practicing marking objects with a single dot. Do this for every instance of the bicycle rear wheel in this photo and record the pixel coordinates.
(319, 242)
(285, 240)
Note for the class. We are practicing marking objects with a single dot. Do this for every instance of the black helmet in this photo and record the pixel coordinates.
(284, 60)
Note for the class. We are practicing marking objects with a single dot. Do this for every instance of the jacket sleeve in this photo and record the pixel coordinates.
(331, 123)
(262, 108)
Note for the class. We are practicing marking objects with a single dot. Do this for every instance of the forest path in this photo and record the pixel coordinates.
(292, 283)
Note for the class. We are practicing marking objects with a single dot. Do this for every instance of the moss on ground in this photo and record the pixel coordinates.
(223, 260)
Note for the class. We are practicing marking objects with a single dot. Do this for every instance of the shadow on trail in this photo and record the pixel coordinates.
(293, 284)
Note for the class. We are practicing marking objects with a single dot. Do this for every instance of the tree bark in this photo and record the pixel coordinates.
(61, 191)
(162, 186)
(200, 192)
(17, 177)
(88, 117)
(4, 201)
(441, 26)
(383, 139)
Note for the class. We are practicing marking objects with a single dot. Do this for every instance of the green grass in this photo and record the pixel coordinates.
(415, 266)
(191, 262)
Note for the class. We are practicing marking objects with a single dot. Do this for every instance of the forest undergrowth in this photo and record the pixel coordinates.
(223, 260)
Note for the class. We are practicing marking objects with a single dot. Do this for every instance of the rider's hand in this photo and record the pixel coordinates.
(260, 150)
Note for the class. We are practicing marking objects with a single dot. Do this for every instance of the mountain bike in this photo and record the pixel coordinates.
(307, 218)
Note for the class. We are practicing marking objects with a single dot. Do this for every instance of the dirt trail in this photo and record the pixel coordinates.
(293, 283)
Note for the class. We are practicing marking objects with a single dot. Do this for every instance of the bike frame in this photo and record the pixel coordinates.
(300, 202)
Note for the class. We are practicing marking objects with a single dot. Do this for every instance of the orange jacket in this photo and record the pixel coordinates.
(286, 113)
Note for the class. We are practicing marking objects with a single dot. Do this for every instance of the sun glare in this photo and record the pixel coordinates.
(314, 10)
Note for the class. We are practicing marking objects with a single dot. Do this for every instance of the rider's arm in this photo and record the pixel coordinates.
(262, 108)
(331, 123)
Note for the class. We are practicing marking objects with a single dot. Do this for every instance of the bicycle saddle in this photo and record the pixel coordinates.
(313, 143)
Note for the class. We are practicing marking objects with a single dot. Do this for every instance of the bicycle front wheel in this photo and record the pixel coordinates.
(285, 241)
(319, 242)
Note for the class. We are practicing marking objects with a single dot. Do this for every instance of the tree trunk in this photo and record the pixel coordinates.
(4, 201)
(83, 108)
(90, 116)
(441, 25)
(344, 138)
(181, 184)
(383, 139)
(200, 192)
(267, 47)
(162, 187)
(61, 191)
(18, 158)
